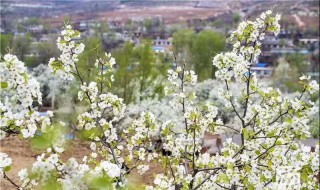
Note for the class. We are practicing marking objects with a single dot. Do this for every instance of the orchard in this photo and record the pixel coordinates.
(270, 124)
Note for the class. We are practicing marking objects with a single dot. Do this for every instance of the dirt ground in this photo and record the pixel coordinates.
(23, 156)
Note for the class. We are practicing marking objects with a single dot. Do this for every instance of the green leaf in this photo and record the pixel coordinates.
(270, 164)
(8, 168)
(245, 181)
(271, 149)
(245, 133)
(247, 168)
(25, 76)
(101, 183)
(304, 176)
(250, 187)
(262, 178)
(223, 177)
(289, 120)
(52, 184)
(45, 140)
(272, 133)
(56, 65)
(272, 28)
(4, 85)
(166, 131)
(109, 83)
(87, 134)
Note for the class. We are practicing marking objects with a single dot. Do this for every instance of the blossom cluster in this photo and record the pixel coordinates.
(104, 110)
(5, 163)
(18, 92)
(14, 77)
(230, 66)
(70, 48)
(179, 78)
(270, 126)
(183, 145)
(138, 137)
(71, 174)
(105, 66)
(247, 38)
(102, 106)
(246, 41)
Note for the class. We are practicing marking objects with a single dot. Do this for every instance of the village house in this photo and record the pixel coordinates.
(162, 45)
(271, 42)
(262, 70)
(307, 41)
(35, 29)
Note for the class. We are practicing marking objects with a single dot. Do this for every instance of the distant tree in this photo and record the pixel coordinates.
(162, 30)
(218, 23)
(139, 72)
(21, 45)
(288, 70)
(146, 71)
(148, 24)
(46, 50)
(182, 40)
(129, 25)
(124, 74)
(285, 76)
(299, 61)
(33, 21)
(47, 27)
(315, 61)
(54, 89)
(89, 55)
(162, 64)
(31, 61)
(205, 46)
(182, 43)
(20, 27)
(103, 27)
(173, 29)
(6, 41)
(236, 18)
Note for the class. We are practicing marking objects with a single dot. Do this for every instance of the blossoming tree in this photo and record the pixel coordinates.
(270, 125)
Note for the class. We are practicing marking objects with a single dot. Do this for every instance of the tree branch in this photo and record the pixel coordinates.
(10, 180)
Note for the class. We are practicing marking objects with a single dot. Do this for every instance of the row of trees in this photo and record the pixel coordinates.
(138, 72)
(141, 71)
(288, 69)
(139, 67)
(22, 47)
(198, 49)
